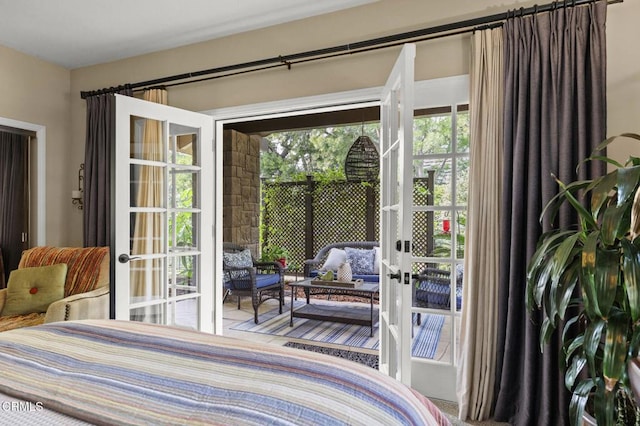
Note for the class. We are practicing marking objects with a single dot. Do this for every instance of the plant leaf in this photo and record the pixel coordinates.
(585, 216)
(601, 158)
(628, 178)
(574, 344)
(577, 364)
(631, 274)
(546, 330)
(588, 286)
(614, 223)
(607, 141)
(592, 337)
(567, 326)
(567, 283)
(634, 343)
(606, 277)
(552, 207)
(604, 405)
(579, 401)
(541, 264)
(562, 256)
(615, 351)
(600, 192)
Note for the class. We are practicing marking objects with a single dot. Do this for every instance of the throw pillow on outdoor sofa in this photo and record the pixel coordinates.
(32, 290)
(361, 260)
(335, 258)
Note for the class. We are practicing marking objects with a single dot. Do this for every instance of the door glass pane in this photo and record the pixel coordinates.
(187, 312)
(183, 145)
(432, 133)
(146, 278)
(182, 275)
(147, 139)
(154, 314)
(426, 328)
(461, 224)
(462, 128)
(432, 234)
(462, 180)
(148, 233)
(182, 187)
(459, 283)
(422, 233)
(181, 230)
(432, 286)
(147, 186)
(437, 171)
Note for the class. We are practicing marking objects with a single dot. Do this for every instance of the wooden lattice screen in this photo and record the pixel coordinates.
(303, 217)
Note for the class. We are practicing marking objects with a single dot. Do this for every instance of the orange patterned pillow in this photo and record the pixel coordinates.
(88, 267)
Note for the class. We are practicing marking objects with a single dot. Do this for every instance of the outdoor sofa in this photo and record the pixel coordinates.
(364, 257)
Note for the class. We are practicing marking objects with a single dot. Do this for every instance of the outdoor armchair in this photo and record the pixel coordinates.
(245, 277)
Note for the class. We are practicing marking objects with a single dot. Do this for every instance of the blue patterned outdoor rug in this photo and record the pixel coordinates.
(425, 342)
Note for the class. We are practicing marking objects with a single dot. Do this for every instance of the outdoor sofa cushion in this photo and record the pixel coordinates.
(334, 254)
(265, 280)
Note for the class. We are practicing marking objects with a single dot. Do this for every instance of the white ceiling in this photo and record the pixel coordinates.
(77, 33)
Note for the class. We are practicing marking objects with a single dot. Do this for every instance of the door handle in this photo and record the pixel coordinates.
(124, 258)
(397, 276)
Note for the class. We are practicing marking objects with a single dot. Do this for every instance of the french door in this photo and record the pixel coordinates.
(163, 215)
(409, 246)
(396, 184)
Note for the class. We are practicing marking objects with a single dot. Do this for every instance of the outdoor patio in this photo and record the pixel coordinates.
(235, 320)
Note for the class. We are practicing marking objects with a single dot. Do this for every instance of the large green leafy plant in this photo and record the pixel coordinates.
(600, 317)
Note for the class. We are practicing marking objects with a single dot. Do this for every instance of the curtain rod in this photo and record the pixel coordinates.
(454, 28)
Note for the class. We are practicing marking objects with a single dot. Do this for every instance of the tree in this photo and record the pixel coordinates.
(293, 154)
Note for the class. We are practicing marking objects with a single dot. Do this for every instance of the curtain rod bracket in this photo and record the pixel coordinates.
(285, 62)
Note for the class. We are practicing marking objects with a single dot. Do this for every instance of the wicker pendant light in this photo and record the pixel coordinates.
(363, 161)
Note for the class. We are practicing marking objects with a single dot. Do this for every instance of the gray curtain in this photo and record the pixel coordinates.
(555, 114)
(97, 168)
(13, 170)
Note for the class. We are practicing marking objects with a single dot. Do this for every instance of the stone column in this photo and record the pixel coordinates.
(241, 189)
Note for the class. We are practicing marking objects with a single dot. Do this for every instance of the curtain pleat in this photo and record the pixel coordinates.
(555, 115)
(100, 138)
(13, 151)
(477, 350)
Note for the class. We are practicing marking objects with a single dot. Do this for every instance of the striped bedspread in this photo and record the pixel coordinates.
(117, 372)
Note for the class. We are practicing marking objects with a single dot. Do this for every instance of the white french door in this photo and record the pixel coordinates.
(164, 188)
(396, 184)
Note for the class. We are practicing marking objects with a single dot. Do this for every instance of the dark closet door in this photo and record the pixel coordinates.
(14, 199)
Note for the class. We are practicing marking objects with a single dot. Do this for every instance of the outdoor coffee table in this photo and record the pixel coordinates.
(336, 313)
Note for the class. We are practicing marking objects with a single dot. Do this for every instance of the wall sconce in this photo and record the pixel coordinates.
(76, 194)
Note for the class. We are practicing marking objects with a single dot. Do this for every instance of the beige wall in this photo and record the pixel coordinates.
(444, 57)
(623, 77)
(37, 92)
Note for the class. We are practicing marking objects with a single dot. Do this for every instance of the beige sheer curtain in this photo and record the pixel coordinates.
(148, 235)
(478, 336)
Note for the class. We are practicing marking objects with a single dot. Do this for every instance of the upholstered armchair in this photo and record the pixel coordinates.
(56, 284)
(243, 276)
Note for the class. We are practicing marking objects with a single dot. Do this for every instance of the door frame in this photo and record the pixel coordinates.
(353, 99)
(38, 232)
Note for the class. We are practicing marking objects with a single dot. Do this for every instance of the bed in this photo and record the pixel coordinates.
(120, 372)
